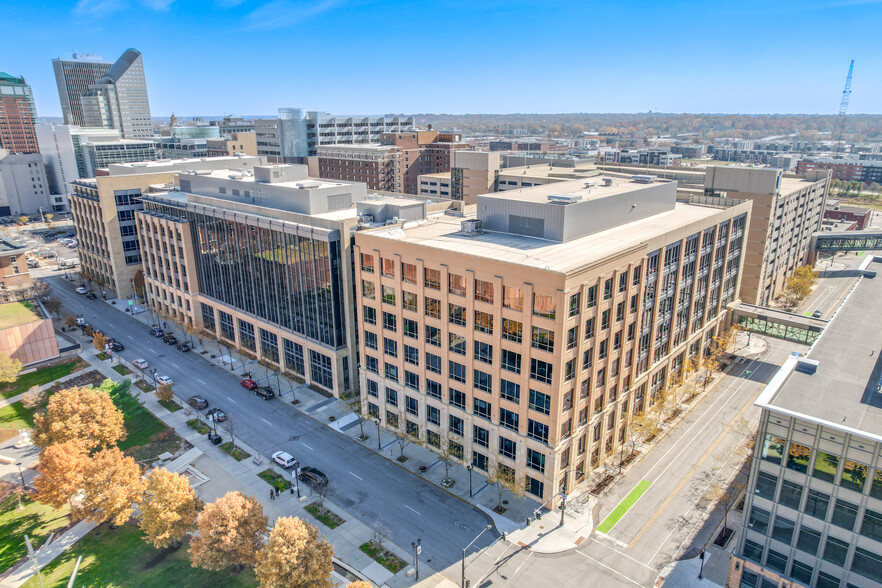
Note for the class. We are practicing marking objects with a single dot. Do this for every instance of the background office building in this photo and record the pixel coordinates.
(24, 188)
(262, 260)
(18, 115)
(103, 211)
(786, 211)
(525, 338)
(813, 509)
(118, 100)
(73, 78)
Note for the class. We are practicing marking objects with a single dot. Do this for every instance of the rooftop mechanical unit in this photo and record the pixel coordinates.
(471, 227)
(564, 198)
(643, 179)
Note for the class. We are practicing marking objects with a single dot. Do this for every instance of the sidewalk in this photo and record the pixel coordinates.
(217, 473)
(46, 554)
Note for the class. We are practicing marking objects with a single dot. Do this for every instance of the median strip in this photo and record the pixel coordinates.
(624, 506)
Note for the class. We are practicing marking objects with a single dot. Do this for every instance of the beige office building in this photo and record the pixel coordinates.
(103, 211)
(525, 337)
(787, 210)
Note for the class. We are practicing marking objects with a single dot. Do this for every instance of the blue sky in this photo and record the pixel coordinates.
(218, 57)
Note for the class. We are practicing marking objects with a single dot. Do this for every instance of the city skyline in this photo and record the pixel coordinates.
(568, 57)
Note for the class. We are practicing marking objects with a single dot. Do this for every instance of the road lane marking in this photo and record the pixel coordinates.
(176, 365)
(624, 506)
(359, 477)
(130, 337)
(613, 570)
(231, 400)
(416, 511)
(267, 422)
(307, 446)
(198, 380)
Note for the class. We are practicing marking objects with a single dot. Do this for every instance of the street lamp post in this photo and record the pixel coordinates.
(417, 549)
(23, 486)
(469, 468)
(297, 477)
(701, 559)
(563, 507)
(379, 443)
(487, 528)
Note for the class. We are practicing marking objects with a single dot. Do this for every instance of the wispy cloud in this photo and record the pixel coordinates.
(99, 7)
(161, 5)
(281, 14)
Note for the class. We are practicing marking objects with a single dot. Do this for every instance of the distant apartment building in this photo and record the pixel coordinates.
(118, 100)
(813, 506)
(855, 214)
(690, 151)
(524, 338)
(103, 211)
(15, 276)
(73, 78)
(786, 210)
(846, 170)
(269, 144)
(393, 165)
(233, 144)
(24, 188)
(18, 115)
(262, 260)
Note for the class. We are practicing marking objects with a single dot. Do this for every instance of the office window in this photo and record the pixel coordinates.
(798, 457)
(409, 301)
(809, 540)
(433, 415)
(535, 487)
(540, 402)
(433, 308)
(391, 397)
(543, 339)
(540, 371)
(456, 285)
(608, 289)
(509, 419)
(390, 347)
(759, 520)
(482, 409)
(773, 449)
(783, 529)
(867, 564)
(512, 330)
(389, 295)
(388, 267)
(411, 328)
(844, 514)
(753, 551)
(408, 273)
(537, 431)
(372, 364)
(507, 448)
(480, 436)
(432, 278)
(367, 263)
(455, 425)
(483, 322)
(826, 580)
(536, 460)
(483, 381)
(816, 504)
(391, 371)
(456, 314)
(370, 340)
(411, 380)
(513, 298)
(854, 475)
(591, 298)
(545, 306)
(412, 406)
(623, 281)
(511, 361)
(456, 343)
(433, 389)
(368, 290)
(802, 572)
(456, 371)
(776, 561)
(390, 322)
(872, 525)
(575, 303)
(483, 352)
(480, 461)
(433, 363)
(370, 315)
(835, 551)
(510, 391)
(483, 291)
(825, 466)
(433, 336)
(791, 494)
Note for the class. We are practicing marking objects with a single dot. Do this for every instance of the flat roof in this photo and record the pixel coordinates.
(224, 174)
(790, 184)
(192, 160)
(357, 146)
(547, 171)
(13, 314)
(443, 232)
(8, 246)
(844, 391)
(540, 194)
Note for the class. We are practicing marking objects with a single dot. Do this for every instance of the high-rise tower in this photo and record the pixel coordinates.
(74, 76)
(18, 116)
(118, 100)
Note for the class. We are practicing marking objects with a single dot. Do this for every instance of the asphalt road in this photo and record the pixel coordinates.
(368, 486)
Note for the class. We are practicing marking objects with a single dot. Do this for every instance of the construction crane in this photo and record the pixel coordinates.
(839, 129)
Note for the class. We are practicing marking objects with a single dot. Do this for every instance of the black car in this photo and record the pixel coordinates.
(183, 347)
(265, 392)
(216, 414)
(170, 340)
(91, 295)
(198, 402)
(116, 346)
(313, 478)
(157, 332)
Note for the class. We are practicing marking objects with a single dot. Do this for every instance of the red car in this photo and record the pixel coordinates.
(249, 384)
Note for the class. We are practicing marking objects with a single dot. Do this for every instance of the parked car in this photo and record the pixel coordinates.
(216, 415)
(183, 347)
(248, 384)
(141, 364)
(91, 296)
(817, 314)
(284, 459)
(170, 340)
(198, 402)
(313, 477)
(32, 263)
(157, 332)
(165, 380)
(265, 392)
(81, 290)
(116, 346)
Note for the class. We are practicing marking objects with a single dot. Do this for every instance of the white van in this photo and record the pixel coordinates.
(284, 459)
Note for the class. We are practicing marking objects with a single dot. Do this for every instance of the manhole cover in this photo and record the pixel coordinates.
(505, 502)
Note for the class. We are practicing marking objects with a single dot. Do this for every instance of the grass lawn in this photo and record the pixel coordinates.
(17, 313)
(120, 557)
(40, 377)
(324, 516)
(16, 416)
(234, 451)
(141, 426)
(121, 370)
(275, 480)
(36, 520)
(385, 558)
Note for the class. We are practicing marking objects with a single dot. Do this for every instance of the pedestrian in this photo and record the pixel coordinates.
(272, 494)
(277, 492)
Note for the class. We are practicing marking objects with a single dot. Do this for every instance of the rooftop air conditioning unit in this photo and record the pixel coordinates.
(643, 179)
(589, 184)
(235, 176)
(607, 181)
(471, 226)
(564, 198)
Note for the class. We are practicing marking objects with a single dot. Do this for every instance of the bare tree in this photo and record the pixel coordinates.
(379, 533)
